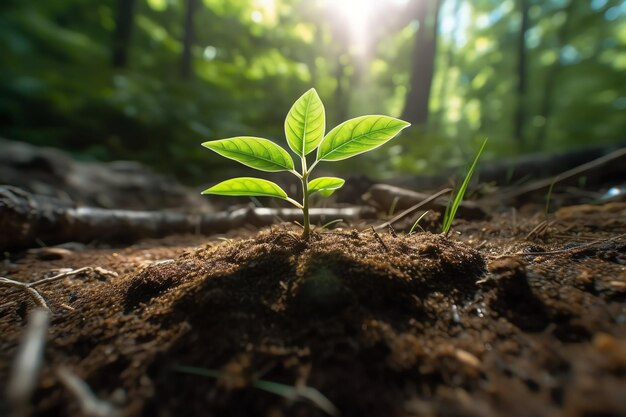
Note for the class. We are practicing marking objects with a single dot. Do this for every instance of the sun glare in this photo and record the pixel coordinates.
(359, 16)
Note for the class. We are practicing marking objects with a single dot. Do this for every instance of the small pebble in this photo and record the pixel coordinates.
(611, 348)
(585, 277)
(467, 358)
(618, 285)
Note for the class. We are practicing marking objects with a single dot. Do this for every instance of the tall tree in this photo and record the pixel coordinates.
(450, 57)
(188, 37)
(423, 62)
(522, 73)
(123, 30)
(552, 73)
(340, 55)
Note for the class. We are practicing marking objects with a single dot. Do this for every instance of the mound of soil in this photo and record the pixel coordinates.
(360, 323)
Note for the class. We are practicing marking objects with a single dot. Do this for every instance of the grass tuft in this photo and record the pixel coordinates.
(455, 202)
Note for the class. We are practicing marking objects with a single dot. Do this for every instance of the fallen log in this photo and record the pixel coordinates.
(509, 172)
(594, 172)
(385, 197)
(28, 220)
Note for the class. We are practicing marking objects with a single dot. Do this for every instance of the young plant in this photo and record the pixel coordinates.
(455, 202)
(305, 126)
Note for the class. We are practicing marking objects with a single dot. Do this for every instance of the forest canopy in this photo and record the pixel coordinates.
(150, 80)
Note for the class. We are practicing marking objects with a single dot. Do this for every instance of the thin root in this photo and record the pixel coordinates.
(29, 287)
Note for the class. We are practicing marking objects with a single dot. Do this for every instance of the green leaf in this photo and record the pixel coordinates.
(258, 153)
(325, 185)
(358, 135)
(305, 123)
(247, 186)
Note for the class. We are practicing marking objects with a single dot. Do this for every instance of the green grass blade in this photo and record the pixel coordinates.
(193, 370)
(549, 197)
(417, 222)
(258, 153)
(458, 198)
(330, 223)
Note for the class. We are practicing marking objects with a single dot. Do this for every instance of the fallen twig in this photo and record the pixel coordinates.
(573, 249)
(27, 364)
(540, 229)
(29, 287)
(383, 196)
(26, 219)
(414, 207)
(90, 405)
(380, 240)
(597, 167)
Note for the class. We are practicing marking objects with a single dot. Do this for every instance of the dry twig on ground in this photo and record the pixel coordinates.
(29, 287)
(27, 364)
(90, 405)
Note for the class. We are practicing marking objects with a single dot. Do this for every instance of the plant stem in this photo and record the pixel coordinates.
(305, 207)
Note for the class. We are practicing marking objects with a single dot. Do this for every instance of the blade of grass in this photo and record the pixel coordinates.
(416, 224)
(549, 197)
(287, 391)
(392, 208)
(330, 223)
(452, 208)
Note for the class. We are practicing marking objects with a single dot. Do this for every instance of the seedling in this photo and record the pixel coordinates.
(305, 126)
(452, 208)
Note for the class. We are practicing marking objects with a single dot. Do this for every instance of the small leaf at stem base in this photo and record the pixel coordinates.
(325, 185)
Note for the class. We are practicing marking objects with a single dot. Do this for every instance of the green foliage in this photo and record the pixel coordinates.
(325, 185)
(58, 86)
(455, 202)
(246, 186)
(358, 135)
(304, 128)
(305, 124)
(258, 153)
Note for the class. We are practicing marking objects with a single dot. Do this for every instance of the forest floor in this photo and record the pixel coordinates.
(510, 316)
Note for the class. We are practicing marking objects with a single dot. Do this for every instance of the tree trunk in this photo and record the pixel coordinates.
(551, 78)
(188, 37)
(341, 98)
(423, 62)
(123, 30)
(439, 119)
(520, 114)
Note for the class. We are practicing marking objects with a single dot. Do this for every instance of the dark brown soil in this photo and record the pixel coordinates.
(486, 322)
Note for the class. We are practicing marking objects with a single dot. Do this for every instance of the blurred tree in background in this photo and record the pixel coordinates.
(151, 79)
